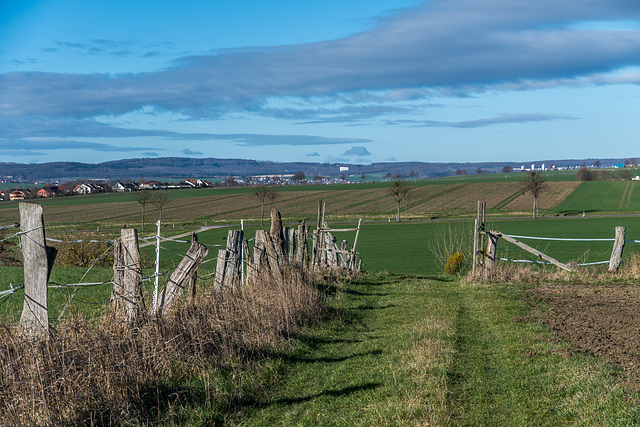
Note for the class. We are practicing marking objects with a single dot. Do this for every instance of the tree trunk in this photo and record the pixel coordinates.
(398, 214)
(262, 214)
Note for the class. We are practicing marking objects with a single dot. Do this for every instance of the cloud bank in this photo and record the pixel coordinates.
(442, 47)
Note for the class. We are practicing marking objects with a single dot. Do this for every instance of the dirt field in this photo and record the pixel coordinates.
(602, 320)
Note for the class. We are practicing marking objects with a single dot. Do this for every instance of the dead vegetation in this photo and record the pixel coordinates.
(110, 374)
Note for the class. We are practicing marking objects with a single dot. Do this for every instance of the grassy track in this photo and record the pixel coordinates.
(428, 351)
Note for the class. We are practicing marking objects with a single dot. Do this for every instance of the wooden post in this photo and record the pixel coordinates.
(220, 269)
(302, 255)
(354, 255)
(276, 232)
(532, 250)
(475, 246)
(127, 275)
(292, 245)
(233, 266)
(483, 247)
(491, 250)
(618, 246)
(181, 276)
(38, 260)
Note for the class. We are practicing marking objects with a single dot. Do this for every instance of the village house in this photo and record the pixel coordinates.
(18, 194)
(49, 191)
(121, 187)
(196, 182)
(87, 188)
(151, 185)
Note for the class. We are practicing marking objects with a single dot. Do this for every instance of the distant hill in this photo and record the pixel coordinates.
(180, 167)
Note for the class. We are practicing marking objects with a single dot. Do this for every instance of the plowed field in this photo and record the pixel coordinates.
(602, 320)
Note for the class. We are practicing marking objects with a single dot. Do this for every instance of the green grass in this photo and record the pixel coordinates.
(422, 351)
(602, 196)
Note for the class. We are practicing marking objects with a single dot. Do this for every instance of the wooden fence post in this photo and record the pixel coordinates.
(491, 250)
(618, 246)
(38, 261)
(475, 246)
(181, 276)
(354, 254)
(233, 267)
(302, 255)
(127, 274)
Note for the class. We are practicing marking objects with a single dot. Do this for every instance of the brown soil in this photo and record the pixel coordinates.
(603, 320)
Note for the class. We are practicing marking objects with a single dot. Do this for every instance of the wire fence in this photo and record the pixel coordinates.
(606, 251)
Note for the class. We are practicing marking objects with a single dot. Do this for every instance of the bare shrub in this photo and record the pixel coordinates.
(111, 374)
(80, 251)
(451, 238)
(8, 254)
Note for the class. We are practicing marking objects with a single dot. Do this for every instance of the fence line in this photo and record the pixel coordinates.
(562, 239)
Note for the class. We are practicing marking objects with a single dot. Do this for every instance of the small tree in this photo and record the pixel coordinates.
(160, 200)
(264, 194)
(597, 164)
(399, 191)
(586, 174)
(535, 182)
(143, 197)
(506, 169)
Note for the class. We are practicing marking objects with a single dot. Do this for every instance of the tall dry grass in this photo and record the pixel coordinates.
(108, 373)
(528, 274)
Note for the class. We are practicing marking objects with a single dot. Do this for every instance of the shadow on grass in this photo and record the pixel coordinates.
(302, 399)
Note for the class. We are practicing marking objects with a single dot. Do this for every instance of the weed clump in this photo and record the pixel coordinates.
(454, 264)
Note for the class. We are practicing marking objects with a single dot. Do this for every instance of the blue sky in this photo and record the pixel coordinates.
(333, 81)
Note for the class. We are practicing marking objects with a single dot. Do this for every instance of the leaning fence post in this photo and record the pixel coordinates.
(182, 275)
(38, 261)
(618, 246)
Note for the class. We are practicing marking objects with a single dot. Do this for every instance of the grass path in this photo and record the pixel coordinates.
(427, 351)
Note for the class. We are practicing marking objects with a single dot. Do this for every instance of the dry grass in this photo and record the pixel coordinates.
(111, 374)
(527, 274)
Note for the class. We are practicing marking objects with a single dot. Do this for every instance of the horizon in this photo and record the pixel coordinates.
(357, 83)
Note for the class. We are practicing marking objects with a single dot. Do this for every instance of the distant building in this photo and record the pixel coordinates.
(125, 187)
(344, 168)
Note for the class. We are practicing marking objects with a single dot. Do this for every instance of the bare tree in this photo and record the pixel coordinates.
(535, 182)
(160, 200)
(506, 169)
(299, 176)
(399, 191)
(143, 197)
(266, 195)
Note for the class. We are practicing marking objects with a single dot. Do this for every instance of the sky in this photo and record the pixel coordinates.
(358, 81)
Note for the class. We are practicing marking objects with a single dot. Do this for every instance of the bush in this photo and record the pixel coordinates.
(85, 254)
(454, 263)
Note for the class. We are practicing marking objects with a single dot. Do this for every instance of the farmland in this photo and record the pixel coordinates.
(403, 333)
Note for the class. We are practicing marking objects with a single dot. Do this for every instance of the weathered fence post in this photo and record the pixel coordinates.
(475, 246)
(233, 273)
(181, 276)
(127, 274)
(302, 255)
(491, 250)
(38, 262)
(618, 246)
